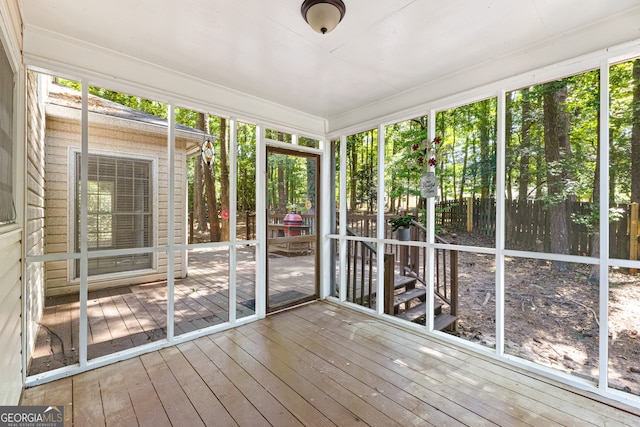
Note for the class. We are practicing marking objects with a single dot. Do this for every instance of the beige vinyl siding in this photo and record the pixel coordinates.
(110, 136)
(11, 235)
(35, 199)
(10, 320)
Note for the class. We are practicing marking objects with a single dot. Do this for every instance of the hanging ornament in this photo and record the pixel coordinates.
(207, 152)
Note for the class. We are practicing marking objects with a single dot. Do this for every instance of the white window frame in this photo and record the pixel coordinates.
(71, 223)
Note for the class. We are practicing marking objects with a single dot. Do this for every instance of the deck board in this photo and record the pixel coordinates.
(383, 346)
(174, 399)
(306, 388)
(405, 393)
(320, 364)
(278, 388)
(272, 410)
(87, 390)
(144, 398)
(234, 402)
(201, 397)
(129, 316)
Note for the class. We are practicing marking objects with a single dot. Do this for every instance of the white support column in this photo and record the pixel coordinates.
(500, 219)
(380, 221)
(343, 218)
(171, 230)
(261, 221)
(233, 218)
(431, 233)
(83, 329)
(324, 225)
(603, 382)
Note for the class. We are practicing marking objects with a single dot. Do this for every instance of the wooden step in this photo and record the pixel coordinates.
(400, 281)
(441, 321)
(414, 313)
(407, 296)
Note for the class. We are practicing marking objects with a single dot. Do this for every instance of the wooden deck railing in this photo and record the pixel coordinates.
(361, 258)
(409, 261)
(445, 265)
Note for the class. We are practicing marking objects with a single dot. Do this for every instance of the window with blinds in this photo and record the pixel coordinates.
(119, 212)
(7, 207)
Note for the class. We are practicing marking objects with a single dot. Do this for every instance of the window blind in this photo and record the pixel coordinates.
(119, 211)
(7, 207)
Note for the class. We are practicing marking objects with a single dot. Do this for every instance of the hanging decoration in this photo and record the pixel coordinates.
(207, 152)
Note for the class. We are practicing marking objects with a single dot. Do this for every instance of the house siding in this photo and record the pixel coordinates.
(10, 323)
(11, 249)
(35, 197)
(109, 136)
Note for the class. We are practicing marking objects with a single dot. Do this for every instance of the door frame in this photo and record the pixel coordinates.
(279, 149)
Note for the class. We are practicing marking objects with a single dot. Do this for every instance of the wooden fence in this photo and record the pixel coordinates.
(526, 224)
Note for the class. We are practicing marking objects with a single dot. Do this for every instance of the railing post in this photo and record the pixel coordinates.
(247, 227)
(454, 281)
(633, 235)
(389, 285)
(470, 214)
(404, 257)
(191, 227)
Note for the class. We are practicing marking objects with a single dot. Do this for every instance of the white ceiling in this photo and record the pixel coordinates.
(380, 49)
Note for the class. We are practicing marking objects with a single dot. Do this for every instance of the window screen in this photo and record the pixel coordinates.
(7, 208)
(119, 212)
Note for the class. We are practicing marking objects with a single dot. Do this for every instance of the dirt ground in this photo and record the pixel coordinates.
(552, 317)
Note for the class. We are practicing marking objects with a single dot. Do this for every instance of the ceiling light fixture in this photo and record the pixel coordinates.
(323, 15)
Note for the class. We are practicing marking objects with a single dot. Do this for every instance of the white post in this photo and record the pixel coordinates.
(261, 221)
(380, 221)
(83, 329)
(343, 218)
(603, 382)
(233, 218)
(431, 224)
(171, 230)
(501, 145)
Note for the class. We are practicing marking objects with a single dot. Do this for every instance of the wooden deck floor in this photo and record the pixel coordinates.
(318, 365)
(129, 316)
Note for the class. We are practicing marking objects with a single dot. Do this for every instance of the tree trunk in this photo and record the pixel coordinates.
(352, 179)
(486, 169)
(199, 199)
(594, 273)
(523, 185)
(210, 186)
(282, 198)
(224, 179)
(214, 223)
(199, 207)
(635, 135)
(464, 168)
(508, 127)
(556, 136)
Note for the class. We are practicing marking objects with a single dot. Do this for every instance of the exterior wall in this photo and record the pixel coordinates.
(34, 230)
(110, 136)
(10, 235)
(10, 290)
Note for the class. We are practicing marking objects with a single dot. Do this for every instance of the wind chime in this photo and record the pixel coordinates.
(207, 152)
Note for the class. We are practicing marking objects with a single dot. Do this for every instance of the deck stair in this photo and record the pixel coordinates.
(405, 279)
(410, 304)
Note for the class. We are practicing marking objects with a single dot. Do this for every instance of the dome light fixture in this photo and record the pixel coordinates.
(323, 15)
